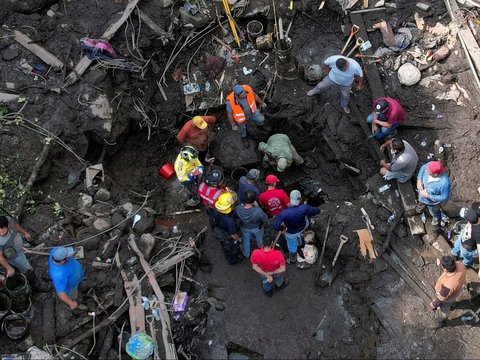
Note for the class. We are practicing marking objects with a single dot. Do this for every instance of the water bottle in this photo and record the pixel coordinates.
(207, 86)
(423, 217)
(391, 218)
(384, 188)
(466, 318)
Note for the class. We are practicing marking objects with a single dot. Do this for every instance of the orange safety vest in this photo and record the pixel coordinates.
(209, 194)
(237, 110)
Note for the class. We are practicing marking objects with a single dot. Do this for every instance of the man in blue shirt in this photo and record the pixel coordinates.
(342, 72)
(294, 220)
(248, 182)
(66, 274)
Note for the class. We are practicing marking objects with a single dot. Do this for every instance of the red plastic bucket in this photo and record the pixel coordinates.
(166, 170)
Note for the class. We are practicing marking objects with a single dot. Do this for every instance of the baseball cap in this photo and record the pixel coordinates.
(61, 253)
(282, 164)
(238, 89)
(271, 179)
(435, 167)
(381, 106)
(295, 197)
(471, 216)
(199, 122)
(253, 174)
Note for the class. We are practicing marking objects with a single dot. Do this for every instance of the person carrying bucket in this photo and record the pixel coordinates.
(188, 168)
(66, 273)
(12, 255)
(196, 132)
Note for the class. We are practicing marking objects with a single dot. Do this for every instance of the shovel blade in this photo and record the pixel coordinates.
(326, 277)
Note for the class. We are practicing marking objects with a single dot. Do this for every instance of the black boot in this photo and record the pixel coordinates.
(37, 284)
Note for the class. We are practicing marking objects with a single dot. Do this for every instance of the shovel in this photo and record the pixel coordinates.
(323, 249)
(330, 272)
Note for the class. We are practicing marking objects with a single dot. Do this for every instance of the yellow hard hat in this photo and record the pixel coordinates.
(199, 122)
(225, 202)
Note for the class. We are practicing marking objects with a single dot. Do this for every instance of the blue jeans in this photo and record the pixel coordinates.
(21, 263)
(277, 280)
(246, 235)
(398, 176)
(326, 83)
(436, 212)
(467, 255)
(257, 117)
(383, 131)
(293, 240)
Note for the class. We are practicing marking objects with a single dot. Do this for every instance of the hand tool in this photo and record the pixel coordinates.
(330, 271)
(343, 240)
(367, 56)
(353, 31)
(357, 45)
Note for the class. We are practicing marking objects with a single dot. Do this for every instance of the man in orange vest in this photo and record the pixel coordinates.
(242, 107)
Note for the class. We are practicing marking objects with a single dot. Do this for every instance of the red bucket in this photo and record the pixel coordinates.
(166, 170)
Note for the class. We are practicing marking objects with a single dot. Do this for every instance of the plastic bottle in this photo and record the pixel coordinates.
(423, 217)
(466, 318)
(384, 188)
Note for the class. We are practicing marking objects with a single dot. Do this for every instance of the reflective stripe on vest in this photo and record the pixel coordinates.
(237, 110)
(209, 194)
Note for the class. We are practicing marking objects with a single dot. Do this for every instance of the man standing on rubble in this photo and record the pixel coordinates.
(252, 221)
(279, 152)
(196, 132)
(270, 264)
(293, 220)
(12, 255)
(242, 107)
(66, 273)
(341, 74)
(404, 161)
(467, 244)
(248, 182)
(387, 115)
(188, 168)
(433, 185)
(226, 230)
(273, 200)
(448, 287)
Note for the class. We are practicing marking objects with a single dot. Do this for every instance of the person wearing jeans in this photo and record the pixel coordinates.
(387, 115)
(252, 219)
(467, 243)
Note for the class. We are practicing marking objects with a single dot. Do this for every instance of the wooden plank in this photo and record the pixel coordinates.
(166, 265)
(85, 62)
(4, 97)
(45, 55)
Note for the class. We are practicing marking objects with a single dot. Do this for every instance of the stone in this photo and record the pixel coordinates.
(126, 208)
(50, 13)
(382, 213)
(102, 195)
(145, 224)
(379, 3)
(161, 231)
(10, 53)
(423, 6)
(408, 74)
(441, 54)
(55, 7)
(102, 224)
(90, 233)
(85, 201)
(95, 77)
(146, 245)
(117, 219)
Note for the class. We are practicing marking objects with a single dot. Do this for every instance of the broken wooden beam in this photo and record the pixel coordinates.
(162, 267)
(45, 55)
(156, 29)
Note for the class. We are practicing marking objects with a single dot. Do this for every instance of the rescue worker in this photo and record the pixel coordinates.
(448, 287)
(279, 152)
(273, 200)
(342, 71)
(242, 107)
(433, 185)
(252, 221)
(270, 264)
(196, 132)
(188, 168)
(226, 229)
(210, 189)
(467, 243)
(12, 255)
(249, 182)
(404, 161)
(293, 220)
(387, 115)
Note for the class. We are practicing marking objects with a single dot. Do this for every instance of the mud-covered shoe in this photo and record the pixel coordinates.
(285, 283)
(292, 258)
(193, 202)
(445, 221)
(435, 222)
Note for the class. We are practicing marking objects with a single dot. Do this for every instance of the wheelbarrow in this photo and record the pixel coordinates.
(329, 272)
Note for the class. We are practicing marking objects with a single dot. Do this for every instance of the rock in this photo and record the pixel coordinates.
(50, 13)
(102, 224)
(423, 6)
(116, 232)
(230, 152)
(126, 208)
(10, 53)
(95, 77)
(382, 213)
(441, 54)
(165, 3)
(408, 74)
(449, 78)
(379, 3)
(146, 245)
(382, 228)
(391, 5)
(85, 201)
(145, 224)
(91, 244)
(117, 219)
(161, 231)
(102, 195)
(101, 209)
(197, 20)
(55, 7)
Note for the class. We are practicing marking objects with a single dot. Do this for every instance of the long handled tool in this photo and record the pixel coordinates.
(357, 45)
(323, 248)
(226, 6)
(330, 272)
(353, 31)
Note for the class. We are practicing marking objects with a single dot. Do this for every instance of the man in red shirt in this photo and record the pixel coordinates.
(273, 200)
(270, 264)
(196, 132)
(387, 115)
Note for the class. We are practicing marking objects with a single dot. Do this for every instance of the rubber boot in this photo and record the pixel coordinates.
(292, 258)
(37, 284)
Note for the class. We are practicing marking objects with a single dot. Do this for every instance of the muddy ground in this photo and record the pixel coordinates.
(363, 313)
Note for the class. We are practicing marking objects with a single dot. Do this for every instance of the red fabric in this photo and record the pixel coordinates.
(271, 179)
(435, 167)
(209, 194)
(192, 135)
(395, 113)
(268, 261)
(273, 201)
